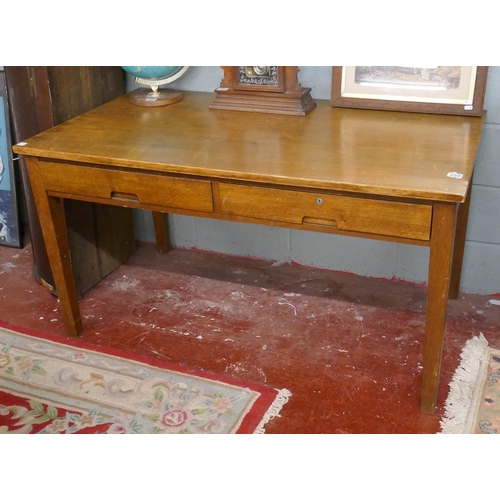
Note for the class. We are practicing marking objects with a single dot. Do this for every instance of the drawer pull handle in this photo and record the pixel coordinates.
(115, 195)
(319, 201)
(320, 222)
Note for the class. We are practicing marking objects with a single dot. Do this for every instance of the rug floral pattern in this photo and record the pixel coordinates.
(488, 413)
(47, 388)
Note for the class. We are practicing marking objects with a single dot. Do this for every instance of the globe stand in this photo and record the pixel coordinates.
(154, 96)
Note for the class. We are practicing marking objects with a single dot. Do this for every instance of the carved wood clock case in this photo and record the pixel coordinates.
(263, 89)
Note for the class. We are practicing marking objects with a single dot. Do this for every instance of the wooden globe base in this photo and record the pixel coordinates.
(147, 97)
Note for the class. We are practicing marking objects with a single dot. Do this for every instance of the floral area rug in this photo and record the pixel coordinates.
(473, 403)
(66, 387)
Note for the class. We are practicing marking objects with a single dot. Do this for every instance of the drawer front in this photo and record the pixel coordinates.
(149, 189)
(388, 218)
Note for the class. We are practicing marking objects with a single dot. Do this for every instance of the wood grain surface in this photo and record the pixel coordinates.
(381, 153)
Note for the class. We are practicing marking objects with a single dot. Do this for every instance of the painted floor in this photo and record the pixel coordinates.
(348, 348)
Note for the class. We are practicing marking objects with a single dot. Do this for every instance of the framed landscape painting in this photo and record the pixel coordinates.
(453, 90)
(9, 214)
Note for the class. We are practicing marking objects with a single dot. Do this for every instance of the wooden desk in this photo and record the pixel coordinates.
(392, 176)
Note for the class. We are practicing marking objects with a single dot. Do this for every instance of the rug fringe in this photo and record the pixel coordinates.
(274, 410)
(457, 419)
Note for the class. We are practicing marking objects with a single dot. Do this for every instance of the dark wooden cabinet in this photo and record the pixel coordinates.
(100, 237)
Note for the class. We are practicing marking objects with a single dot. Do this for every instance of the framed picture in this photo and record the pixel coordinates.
(453, 90)
(9, 214)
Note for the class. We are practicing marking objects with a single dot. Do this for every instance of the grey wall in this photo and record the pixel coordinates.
(481, 273)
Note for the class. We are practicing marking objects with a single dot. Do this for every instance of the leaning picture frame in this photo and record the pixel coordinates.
(10, 234)
(453, 90)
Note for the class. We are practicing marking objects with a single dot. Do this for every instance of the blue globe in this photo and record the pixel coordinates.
(153, 72)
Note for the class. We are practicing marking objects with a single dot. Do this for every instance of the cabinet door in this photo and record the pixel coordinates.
(76, 89)
(44, 96)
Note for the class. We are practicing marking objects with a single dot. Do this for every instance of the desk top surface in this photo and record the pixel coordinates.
(359, 151)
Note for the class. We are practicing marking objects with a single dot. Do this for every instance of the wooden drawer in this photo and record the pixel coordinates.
(150, 189)
(389, 218)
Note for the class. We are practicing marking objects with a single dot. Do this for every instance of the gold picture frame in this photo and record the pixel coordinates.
(453, 90)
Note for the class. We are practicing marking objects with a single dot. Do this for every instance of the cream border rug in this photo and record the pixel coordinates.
(64, 386)
(469, 390)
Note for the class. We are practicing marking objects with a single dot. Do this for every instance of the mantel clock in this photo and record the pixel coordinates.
(263, 89)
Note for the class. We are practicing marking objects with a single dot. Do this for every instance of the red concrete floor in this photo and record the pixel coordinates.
(348, 348)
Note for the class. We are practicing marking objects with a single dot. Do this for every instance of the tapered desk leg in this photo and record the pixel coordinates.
(160, 221)
(442, 238)
(52, 221)
(458, 252)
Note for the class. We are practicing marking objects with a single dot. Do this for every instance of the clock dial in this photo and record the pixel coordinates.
(258, 75)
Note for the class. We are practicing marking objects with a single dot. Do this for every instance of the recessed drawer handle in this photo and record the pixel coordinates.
(115, 195)
(319, 222)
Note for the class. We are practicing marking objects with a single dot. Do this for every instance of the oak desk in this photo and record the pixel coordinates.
(399, 177)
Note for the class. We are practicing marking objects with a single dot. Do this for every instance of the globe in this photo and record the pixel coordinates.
(153, 77)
